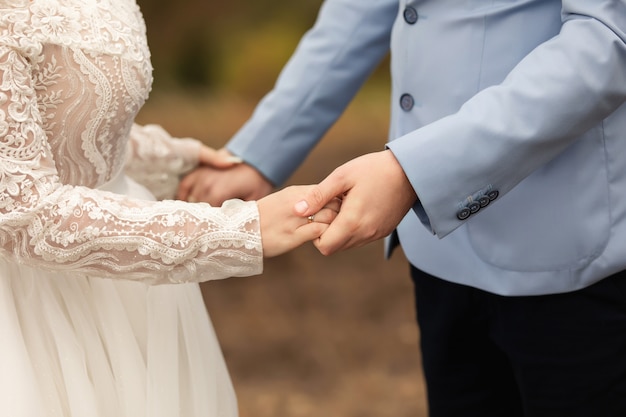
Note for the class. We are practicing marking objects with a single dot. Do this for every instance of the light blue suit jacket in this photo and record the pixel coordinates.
(507, 116)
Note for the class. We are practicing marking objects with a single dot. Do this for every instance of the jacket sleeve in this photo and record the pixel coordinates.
(561, 89)
(331, 62)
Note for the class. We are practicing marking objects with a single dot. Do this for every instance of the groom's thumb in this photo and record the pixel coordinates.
(311, 203)
(317, 197)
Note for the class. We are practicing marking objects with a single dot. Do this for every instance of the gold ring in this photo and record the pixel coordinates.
(311, 218)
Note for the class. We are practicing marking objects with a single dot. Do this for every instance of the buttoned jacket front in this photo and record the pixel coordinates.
(506, 115)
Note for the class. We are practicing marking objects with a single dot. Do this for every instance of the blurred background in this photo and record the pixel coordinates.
(314, 335)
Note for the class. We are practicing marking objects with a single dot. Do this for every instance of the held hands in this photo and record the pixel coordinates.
(282, 229)
(221, 176)
(375, 193)
(372, 190)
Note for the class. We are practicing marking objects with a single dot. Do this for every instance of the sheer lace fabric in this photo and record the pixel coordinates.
(72, 76)
(83, 332)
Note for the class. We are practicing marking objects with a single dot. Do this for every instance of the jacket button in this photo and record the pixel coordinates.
(410, 15)
(484, 201)
(493, 195)
(406, 102)
(463, 214)
(473, 207)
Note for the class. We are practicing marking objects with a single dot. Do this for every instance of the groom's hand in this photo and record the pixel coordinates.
(283, 230)
(376, 195)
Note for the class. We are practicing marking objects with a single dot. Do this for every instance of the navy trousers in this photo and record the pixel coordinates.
(486, 355)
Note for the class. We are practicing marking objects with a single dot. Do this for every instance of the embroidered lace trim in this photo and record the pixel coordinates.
(73, 75)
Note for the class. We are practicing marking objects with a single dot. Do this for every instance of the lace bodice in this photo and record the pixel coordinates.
(73, 74)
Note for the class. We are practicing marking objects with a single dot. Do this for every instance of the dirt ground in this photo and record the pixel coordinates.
(314, 335)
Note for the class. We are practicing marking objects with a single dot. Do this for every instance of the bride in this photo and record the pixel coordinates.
(85, 330)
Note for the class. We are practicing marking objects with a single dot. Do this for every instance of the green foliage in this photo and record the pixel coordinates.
(239, 45)
(255, 59)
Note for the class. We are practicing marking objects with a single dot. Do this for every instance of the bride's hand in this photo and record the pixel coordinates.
(220, 159)
(282, 229)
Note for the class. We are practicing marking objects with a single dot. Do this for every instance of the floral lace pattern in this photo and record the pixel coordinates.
(73, 74)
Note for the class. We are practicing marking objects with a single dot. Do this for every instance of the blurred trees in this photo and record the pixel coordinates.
(237, 46)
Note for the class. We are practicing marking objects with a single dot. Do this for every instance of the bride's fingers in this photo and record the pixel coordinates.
(309, 231)
(325, 215)
(334, 204)
(217, 158)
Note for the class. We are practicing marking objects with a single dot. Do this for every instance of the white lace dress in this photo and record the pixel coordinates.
(84, 328)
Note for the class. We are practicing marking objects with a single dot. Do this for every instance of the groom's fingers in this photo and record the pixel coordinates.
(326, 192)
(378, 197)
(326, 215)
(337, 237)
(343, 229)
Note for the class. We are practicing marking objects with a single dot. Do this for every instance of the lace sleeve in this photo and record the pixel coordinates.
(89, 231)
(156, 160)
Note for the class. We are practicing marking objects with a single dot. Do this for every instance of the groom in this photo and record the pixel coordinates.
(503, 181)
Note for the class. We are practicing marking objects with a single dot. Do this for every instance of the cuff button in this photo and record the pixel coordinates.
(463, 214)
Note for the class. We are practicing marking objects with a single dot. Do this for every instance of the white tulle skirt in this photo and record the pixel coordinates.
(94, 347)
